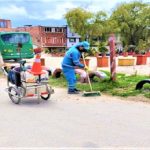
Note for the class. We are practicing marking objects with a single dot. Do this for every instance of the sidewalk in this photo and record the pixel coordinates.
(55, 62)
(136, 69)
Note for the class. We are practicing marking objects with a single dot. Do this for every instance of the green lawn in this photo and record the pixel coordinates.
(124, 85)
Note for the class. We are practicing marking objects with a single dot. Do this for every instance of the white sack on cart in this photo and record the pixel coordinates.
(28, 77)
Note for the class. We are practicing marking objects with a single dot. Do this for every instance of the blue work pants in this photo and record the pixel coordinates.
(69, 74)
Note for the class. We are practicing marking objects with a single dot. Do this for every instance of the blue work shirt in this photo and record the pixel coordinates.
(72, 58)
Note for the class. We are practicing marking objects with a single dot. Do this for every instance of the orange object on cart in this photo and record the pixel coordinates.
(36, 67)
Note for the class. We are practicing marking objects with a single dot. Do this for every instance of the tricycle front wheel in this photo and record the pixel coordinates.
(14, 95)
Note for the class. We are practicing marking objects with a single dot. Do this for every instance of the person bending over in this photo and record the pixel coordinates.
(71, 61)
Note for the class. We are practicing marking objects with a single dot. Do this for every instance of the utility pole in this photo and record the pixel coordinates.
(112, 57)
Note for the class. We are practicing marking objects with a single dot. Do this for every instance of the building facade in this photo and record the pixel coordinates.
(72, 38)
(53, 38)
(5, 25)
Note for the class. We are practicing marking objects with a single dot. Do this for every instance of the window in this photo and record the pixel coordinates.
(47, 29)
(73, 34)
(53, 30)
(58, 30)
(2, 24)
(15, 38)
(50, 29)
(72, 40)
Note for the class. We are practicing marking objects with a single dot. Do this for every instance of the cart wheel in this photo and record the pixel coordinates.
(45, 96)
(14, 95)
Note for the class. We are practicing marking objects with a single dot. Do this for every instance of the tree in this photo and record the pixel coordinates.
(78, 21)
(98, 26)
(85, 23)
(133, 20)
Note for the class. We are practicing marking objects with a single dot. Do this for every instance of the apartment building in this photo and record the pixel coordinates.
(5, 25)
(72, 38)
(53, 38)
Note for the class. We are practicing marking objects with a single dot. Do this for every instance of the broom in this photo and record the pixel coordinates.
(91, 93)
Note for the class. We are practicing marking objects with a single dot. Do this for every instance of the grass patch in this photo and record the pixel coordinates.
(58, 82)
(124, 86)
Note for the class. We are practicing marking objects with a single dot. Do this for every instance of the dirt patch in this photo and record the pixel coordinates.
(138, 98)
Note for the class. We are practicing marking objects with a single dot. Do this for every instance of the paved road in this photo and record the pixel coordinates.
(73, 121)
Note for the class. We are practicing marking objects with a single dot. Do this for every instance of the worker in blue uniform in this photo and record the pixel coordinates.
(71, 61)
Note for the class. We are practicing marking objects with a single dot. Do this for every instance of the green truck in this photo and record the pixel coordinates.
(9, 48)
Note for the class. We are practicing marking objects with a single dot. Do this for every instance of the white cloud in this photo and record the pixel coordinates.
(95, 6)
(59, 11)
(102, 5)
(45, 10)
(12, 10)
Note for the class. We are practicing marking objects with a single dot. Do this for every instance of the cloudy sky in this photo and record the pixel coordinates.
(49, 12)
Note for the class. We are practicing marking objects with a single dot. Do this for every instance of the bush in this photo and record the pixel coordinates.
(92, 52)
(46, 50)
(102, 47)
